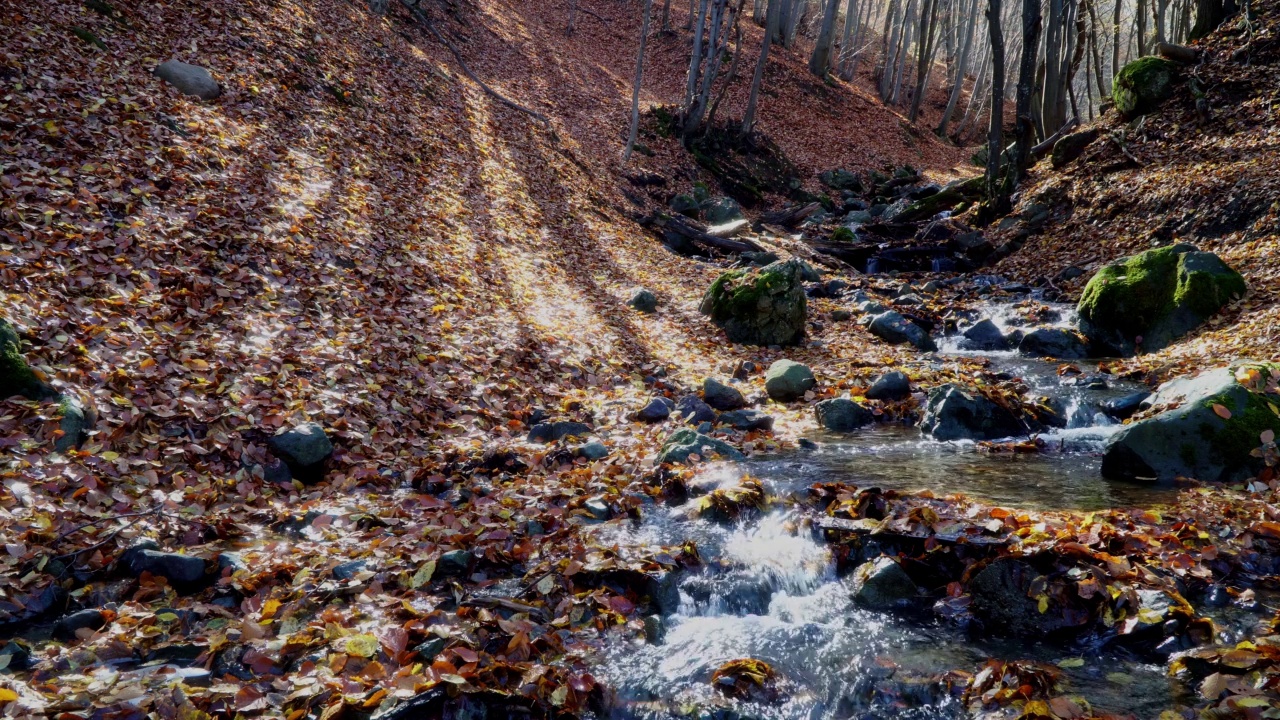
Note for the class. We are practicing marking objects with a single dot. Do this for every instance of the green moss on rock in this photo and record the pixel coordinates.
(759, 307)
(1142, 85)
(16, 377)
(1153, 298)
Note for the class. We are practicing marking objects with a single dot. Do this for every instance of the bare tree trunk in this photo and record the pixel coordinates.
(901, 62)
(820, 60)
(978, 97)
(1115, 38)
(666, 15)
(771, 26)
(926, 47)
(635, 90)
(695, 60)
(733, 66)
(962, 67)
(846, 36)
(1141, 17)
(996, 126)
(1024, 124)
(889, 36)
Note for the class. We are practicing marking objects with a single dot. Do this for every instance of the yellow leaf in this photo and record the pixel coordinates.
(423, 575)
(1071, 663)
(7, 695)
(362, 645)
(1043, 604)
(110, 456)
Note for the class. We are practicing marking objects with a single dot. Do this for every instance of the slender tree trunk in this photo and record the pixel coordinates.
(666, 15)
(846, 36)
(1141, 16)
(1024, 123)
(1115, 38)
(996, 126)
(695, 61)
(733, 66)
(962, 67)
(978, 96)
(635, 90)
(889, 37)
(771, 26)
(926, 47)
(907, 36)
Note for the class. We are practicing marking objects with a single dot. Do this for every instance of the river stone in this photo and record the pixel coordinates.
(1142, 85)
(74, 426)
(184, 572)
(1072, 146)
(685, 442)
(304, 448)
(842, 415)
(348, 570)
(1151, 299)
(189, 79)
(895, 329)
(1123, 408)
(16, 377)
(454, 562)
(870, 307)
(549, 432)
(736, 591)
(657, 410)
(594, 450)
(1000, 600)
(984, 335)
(428, 650)
(746, 420)
(955, 414)
(14, 656)
(1193, 440)
(759, 307)
(893, 385)
(721, 396)
(1054, 343)
(841, 179)
(66, 627)
(694, 411)
(720, 210)
(788, 380)
(882, 584)
(643, 300)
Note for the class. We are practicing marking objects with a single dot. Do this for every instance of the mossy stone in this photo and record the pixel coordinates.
(16, 377)
(1142, 85)
(1151, 299)
(759, 307)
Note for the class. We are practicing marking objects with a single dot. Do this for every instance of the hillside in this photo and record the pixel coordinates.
(1211, 181)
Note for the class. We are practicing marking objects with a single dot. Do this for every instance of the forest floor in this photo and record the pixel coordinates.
(355, 234)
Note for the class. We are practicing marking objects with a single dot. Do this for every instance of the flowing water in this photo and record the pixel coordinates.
(771, 593)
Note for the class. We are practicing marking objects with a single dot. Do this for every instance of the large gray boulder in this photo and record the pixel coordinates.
(882, 584)
(1215, 423)
(1151, 299)
(189, 79)
(953, 413)
(644, 300)
(842, 415)
(759, 307)
(304, 448)
(720, 210)
(895, 329)
(788, 380)
(681, 444)
(721, 396)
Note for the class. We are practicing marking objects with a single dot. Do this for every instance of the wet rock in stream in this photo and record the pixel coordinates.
(953, 413)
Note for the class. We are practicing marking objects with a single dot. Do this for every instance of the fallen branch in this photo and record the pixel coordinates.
(1040, 150)
(1178, 53)
(675, 228)
(457, 55)
(1124, 149)
(790, 217)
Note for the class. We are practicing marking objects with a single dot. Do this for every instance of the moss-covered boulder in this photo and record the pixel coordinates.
(759, 307)
(16, 377)
(1072, 146)
(1149, 300)
(1142, 85)
(1215, 422)
(720, 209)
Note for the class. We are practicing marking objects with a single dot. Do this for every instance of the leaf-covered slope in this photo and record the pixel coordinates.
(1212, 180)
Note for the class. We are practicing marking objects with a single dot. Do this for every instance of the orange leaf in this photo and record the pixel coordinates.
(1221, 411)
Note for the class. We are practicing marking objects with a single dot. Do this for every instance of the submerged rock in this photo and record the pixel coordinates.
(882, 584)
(1209, 435)
(895, 329)
(721, 396)
(1001, 601)
(67, 627)
(184, 572)
(893, 385)
(759, 307)
(1124, 408)
(842, 415)
(788, 380)
(955, 414)
(1151, 299)
(683, 443)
